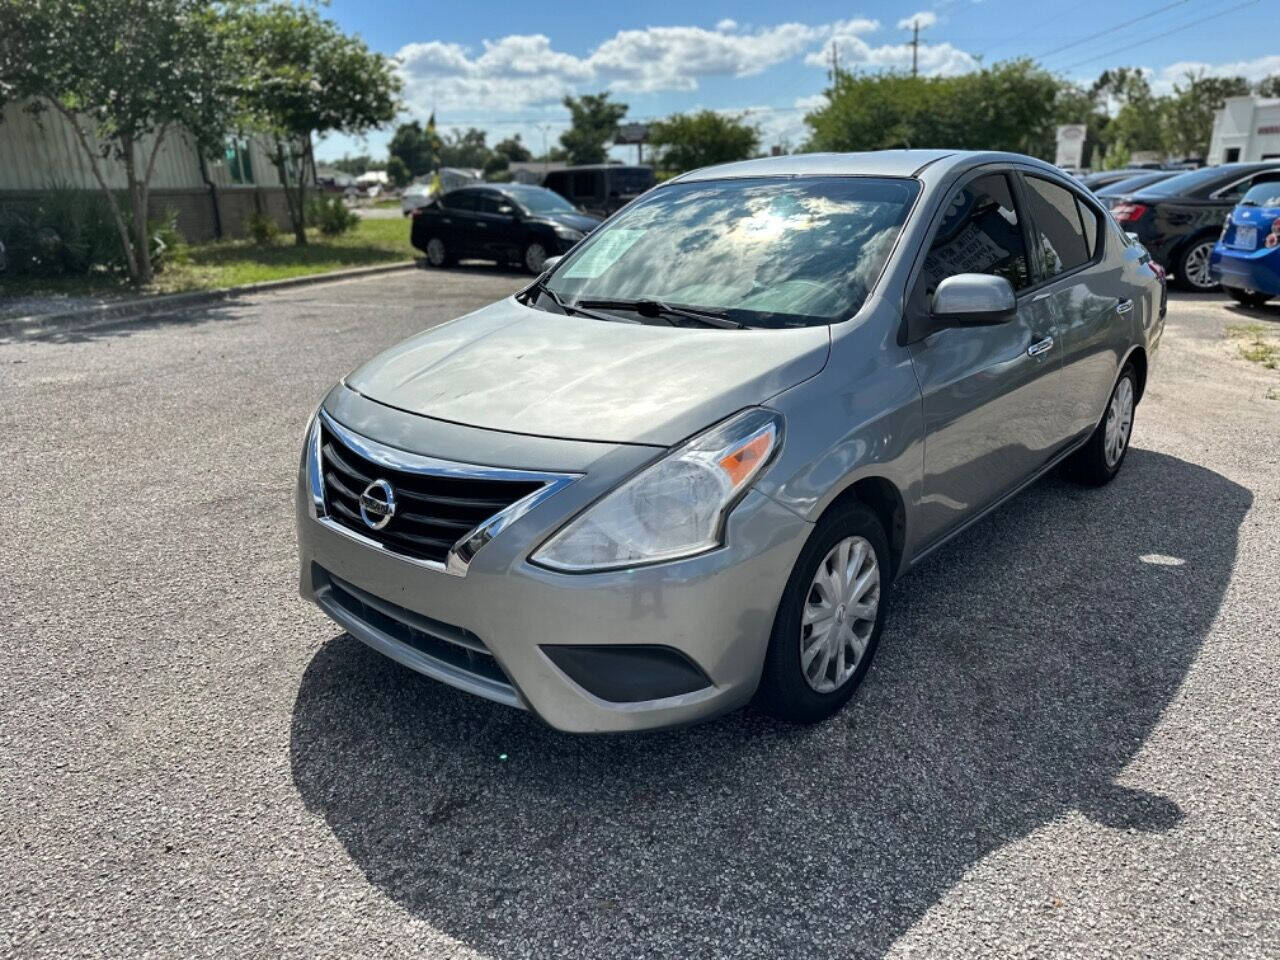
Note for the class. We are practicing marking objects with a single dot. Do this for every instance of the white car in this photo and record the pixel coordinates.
(414, 196)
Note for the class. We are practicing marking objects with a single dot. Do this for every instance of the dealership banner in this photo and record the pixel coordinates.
(1070, 145)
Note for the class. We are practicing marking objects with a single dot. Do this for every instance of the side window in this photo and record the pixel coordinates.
(1089, 220)
(980, 233)
(487, 203)
(557, 182)
(584, 183)
(1057, 221)
(461, 200)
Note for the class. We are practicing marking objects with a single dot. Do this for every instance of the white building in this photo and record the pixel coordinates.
(1246, 129)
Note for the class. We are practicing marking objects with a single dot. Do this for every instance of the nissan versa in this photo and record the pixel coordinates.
(684, 467)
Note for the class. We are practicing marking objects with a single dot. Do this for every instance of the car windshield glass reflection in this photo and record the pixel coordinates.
(539, 200)
(768, 252)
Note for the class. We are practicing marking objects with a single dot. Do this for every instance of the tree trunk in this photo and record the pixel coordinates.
(297, 215)
(137, 198)
(302, 176)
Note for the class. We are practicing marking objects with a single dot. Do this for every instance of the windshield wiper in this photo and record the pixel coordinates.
(648, 307)
(571, 308)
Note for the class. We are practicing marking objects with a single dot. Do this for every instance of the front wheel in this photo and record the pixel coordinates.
(535, 258)
(438, 254)
(1100, 459)
(1248, 298)
(1193, 267)
(830, 619)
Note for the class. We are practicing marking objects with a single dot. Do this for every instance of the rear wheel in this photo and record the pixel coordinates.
(438, 254)
(1100, 459)
(535, 258)
(830, 619)
(1248, 298)
(1193, 266)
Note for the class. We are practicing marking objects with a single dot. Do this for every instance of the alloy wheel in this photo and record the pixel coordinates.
(535, 257)
(1119, 423)
(839, 614)
(1196, 266)
(436, 252)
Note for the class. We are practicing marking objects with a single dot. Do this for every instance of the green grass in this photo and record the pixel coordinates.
(231, 263)
(1257, 346)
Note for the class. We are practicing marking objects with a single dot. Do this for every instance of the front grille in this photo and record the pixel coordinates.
(458, 648)
(433, 511)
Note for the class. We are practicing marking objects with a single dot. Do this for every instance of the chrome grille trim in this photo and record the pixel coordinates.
(466, 547)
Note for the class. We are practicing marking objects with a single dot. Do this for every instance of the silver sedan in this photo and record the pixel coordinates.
(684, 467)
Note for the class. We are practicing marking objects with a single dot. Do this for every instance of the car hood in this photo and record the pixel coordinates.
(522, 370)
(575, 221)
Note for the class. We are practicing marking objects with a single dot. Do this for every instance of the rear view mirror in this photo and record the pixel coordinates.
(973, 299)
(550, 264)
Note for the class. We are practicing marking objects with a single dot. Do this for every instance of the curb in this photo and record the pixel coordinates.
(18, 327)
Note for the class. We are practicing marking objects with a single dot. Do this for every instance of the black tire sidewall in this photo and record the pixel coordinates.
(1089, 464)
(783, 691)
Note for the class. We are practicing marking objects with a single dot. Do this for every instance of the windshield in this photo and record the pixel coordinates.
(1263, 194)
(777, 251)
(539, 200)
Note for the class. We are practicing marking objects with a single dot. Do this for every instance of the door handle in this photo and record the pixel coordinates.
(1044, 346)
(1124, 306)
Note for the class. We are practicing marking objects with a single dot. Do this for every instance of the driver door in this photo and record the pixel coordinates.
(990, 393)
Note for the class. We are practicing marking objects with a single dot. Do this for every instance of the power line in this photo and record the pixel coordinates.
(1159, 36)
(1118, 26)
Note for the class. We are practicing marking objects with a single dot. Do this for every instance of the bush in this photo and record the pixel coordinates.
(330, 215)
(71, 233)
(262, 228)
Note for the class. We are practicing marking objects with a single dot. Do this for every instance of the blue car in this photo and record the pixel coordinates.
(1246, 258)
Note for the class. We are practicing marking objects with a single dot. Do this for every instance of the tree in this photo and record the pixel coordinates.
(127, 76)
(1138, 123)
(1008, 106)
(415, 147)
(513, 149)
(302, 76)
(1269, 86)
(398, 173)
(465, 148)
(354, 166)
(1188, 114)
(594, 123)
(687, 141)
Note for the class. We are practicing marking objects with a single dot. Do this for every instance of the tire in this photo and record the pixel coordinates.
(1248, 298)
(438, 255)
(535, 258)
(1099, 460)
(1192, 269)
(788, 688)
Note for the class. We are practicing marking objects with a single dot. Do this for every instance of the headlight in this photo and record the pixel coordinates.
(673, 508)
(567, 233)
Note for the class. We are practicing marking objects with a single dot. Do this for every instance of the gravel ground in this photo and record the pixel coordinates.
(1066, 748)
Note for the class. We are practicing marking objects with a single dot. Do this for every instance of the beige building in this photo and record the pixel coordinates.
(211, 197)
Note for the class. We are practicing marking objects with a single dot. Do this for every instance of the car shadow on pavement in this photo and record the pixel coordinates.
(1022, 669)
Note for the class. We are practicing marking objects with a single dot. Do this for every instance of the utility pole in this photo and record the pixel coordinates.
(834, 75)
(915, 44)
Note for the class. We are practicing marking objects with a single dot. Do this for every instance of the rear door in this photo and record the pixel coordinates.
(1088, 303)
(460, 208)
(989, 393)
(495, 226)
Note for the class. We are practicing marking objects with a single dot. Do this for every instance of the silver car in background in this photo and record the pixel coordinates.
(684, 467)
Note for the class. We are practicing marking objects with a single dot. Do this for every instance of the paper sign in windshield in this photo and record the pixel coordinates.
(602, 254)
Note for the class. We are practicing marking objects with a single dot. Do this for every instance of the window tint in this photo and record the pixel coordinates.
(584, 183)
(980, 233)
(488, 203)
(461, 200)
(1056, 217)
(1090, 220)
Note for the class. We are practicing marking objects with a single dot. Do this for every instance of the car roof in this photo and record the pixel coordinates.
(883, 163)
(603, 166)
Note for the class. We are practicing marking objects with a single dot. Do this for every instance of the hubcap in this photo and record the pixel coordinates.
(1197, 264)
(435, 251)
(535, 257)
(839, 614)
(1119, 422)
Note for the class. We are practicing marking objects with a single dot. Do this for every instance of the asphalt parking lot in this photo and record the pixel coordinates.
(1067, 746)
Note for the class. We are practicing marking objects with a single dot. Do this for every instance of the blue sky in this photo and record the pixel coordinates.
(505, 66)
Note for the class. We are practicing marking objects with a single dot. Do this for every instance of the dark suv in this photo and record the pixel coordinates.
(1178, 220)
(601, 189)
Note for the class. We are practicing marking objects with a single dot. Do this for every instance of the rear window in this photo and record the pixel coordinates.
(1194, 182)
(632, 180)
(1263, 195)
(1056, 216)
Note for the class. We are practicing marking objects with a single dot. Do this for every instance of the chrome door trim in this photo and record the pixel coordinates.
(1124, 306)
(470, 543)
(1044, 346)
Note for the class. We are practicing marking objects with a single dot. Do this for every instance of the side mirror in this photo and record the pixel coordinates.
(550, 264)
(973, 299)
(507, 210)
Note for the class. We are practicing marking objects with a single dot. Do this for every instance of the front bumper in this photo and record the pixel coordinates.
(1247, 269)
(716, 610)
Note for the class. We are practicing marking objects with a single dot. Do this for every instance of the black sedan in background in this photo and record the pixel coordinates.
(508, 223)
(1111, 193)
(1179, 219)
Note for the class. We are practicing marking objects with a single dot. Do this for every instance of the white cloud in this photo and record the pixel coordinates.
(1162, 80)
(727, 24)
(924, 19)
(934, 59)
